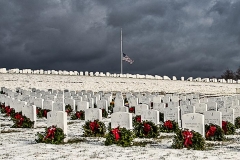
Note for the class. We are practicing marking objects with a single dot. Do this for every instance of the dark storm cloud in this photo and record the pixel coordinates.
(181, 38)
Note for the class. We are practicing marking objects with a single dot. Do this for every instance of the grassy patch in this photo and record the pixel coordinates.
(76, 140)
(3, 125)
(166, 137)
(70, 123)
(144, 143)
(9, 131)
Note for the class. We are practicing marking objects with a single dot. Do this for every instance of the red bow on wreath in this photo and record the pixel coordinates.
(45, 113)
(211, 131)
(50, 132)
(78, 115)
(94, 125)
(147, 128)
(18, 116)
(19, 119)
(37, 111)
(131, 110)
(68, 111)
(187, 135)
(168, 124)
(8, 110)
(116, 134)
(138, 118)
(224, 126)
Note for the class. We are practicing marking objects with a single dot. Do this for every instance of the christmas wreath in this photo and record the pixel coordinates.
(119, 136)
(214, 132)
(136, 120)
(7, 110)
(169, 126)
(237, 122)
(146, 129)
(51, 135)
(68, 109)
(188, 139)
(94, 128)
(43, 113)
(132, 110)
(78, 115)
(228, 127)
(104, 113)
(21, 121)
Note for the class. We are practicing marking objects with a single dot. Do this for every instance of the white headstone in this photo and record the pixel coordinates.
(141, 108)
(30, 112)
(58, 106)
(120, 109)
(48, 104)
(172, 114)
(228, 114)
(58, 118)
(212, 106)
(92, 114)
(214, 117)
(83, 105)
(121, 119)
(151, 115)
(194, 121)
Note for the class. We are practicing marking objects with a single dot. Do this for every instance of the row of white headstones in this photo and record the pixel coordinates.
(188, 110)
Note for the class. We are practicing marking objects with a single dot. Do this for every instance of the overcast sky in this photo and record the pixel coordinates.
(198, 38)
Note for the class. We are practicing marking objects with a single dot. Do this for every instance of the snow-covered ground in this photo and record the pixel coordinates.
(20, 144)
(45, 82)
(16, 143)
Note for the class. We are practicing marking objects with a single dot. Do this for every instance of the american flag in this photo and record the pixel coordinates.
(127, 59)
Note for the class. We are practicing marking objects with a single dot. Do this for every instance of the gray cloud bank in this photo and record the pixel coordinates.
(181, 38)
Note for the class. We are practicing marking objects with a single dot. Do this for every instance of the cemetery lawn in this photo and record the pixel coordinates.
(19, 143)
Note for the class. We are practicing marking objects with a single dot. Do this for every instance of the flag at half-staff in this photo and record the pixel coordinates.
(127, 59)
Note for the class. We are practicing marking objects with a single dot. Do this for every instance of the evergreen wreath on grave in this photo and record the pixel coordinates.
(39, 112)
(21, 121)
(136, 120)
(68, 109)
(185, 138)
(169, 126)
(161, 116)
(44, 112)
(132, 110)
(78, 115)
(104, 113)
(2, 107)
(237, 122)
(146, 129)
(119, 136)
(52, 135)
(94, 128)
(214, 132)
(228, 128)
(7, 110)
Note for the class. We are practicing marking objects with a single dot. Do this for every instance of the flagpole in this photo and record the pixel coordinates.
(121, 53)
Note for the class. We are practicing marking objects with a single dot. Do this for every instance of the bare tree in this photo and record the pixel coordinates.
(228, 74)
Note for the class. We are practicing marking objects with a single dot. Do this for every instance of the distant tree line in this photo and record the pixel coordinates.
(229, 74)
